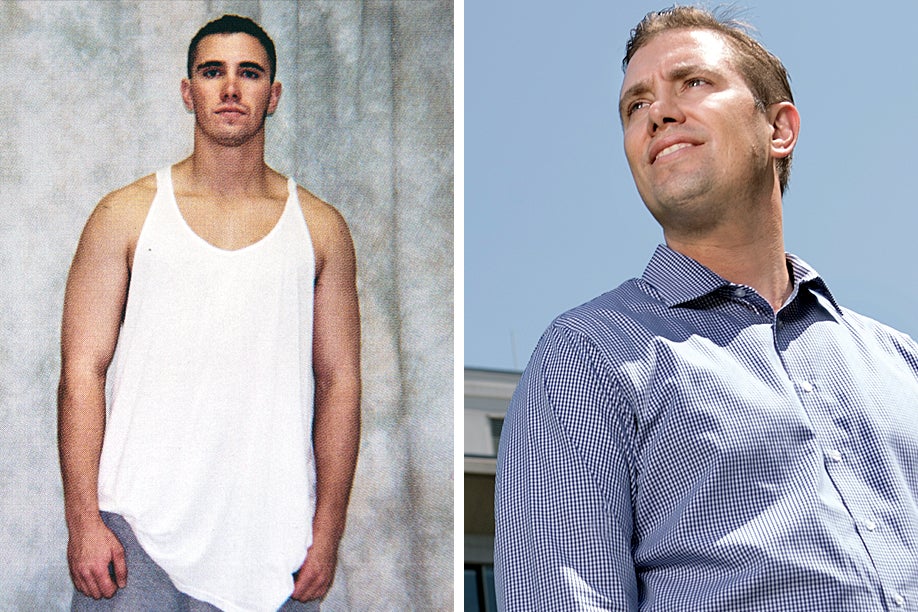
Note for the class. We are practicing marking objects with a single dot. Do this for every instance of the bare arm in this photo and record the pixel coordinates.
(336, 429)
(93, 304)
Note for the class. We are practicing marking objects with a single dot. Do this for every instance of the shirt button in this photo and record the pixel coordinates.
(835, 456)
(740, 292)
(900, 601)
(870, 525)
(807, 386)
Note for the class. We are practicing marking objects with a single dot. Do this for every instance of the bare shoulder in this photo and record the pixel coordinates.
(126, 208)
(114, 225)
(329, 231)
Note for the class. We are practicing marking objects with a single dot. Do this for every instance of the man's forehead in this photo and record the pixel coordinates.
(673, 50)
(233, 45)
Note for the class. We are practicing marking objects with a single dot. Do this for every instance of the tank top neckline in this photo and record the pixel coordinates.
(164, 182)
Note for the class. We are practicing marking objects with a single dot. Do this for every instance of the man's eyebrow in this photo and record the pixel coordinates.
(253, 66)
(682, 71)
(208, 64)
(219, 64)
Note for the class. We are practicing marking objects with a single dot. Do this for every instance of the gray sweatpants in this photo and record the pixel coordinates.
(149, 588)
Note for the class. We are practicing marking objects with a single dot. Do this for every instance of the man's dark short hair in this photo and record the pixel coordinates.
(763, 72)
(234, 24)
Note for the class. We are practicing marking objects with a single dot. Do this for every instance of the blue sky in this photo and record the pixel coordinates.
(551, 214)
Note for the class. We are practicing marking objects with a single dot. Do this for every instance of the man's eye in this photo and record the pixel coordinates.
(210, 73)
(250, 74)
(695, 82)
(636, 106)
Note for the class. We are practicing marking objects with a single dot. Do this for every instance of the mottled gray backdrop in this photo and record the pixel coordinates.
(90, 101)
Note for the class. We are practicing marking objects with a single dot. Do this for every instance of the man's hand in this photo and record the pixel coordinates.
(89, 553)
(316, 574)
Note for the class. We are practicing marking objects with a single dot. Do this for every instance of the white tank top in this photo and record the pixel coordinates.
(208, 441)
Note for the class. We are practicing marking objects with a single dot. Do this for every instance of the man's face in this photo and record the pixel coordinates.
(230, 89)
(694, 138)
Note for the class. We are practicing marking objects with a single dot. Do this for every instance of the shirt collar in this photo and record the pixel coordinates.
(679, 279)
(806, 276)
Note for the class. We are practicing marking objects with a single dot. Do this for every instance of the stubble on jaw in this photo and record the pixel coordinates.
(692, 204)
(236, 139)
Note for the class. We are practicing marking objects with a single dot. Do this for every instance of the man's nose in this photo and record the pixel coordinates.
(230, 89)
(665, 109)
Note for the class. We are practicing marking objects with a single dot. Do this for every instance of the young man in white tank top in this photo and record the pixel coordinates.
(224, 299)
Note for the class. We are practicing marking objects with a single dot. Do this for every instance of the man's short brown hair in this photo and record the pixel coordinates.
(763, 73)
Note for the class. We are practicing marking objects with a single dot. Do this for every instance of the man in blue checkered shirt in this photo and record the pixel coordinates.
(718, 434)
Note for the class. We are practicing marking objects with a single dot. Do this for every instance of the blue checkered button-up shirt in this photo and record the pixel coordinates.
(676, 445)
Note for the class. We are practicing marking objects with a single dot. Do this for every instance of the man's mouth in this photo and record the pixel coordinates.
(672, 149)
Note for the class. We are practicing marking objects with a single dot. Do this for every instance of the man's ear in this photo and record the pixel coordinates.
(186, 95)
(275, 97)
(785, 124)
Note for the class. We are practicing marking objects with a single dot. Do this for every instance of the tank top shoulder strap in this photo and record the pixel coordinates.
(293, 200)
(163, 181)
(293, 207)
(159, 206)
(163, 219)
(298, 237)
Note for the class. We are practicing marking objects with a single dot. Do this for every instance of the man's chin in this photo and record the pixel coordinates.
(675, 197)
(227, 136)
(688, 205)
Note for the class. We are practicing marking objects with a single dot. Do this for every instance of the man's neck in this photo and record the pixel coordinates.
(217, 170)
(752, 255)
